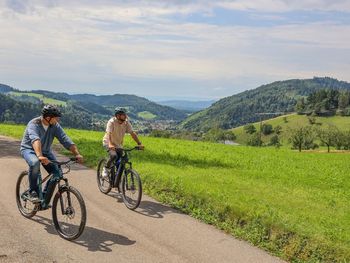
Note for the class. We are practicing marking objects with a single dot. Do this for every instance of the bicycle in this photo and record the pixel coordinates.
(122, 177)
(64, 207)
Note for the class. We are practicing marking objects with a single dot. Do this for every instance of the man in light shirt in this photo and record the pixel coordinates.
(113, 140)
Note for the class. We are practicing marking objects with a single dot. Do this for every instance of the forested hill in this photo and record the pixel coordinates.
(139, 108)
(242, 108)
(5, 88)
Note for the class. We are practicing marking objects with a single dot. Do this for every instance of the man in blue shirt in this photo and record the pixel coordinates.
(36, 148)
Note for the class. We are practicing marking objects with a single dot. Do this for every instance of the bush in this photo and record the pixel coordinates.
(266, 129)
(275, 141)
(255, 140)
(249, 129)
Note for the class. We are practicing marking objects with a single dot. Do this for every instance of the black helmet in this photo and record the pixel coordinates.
(119, 110)
(51, 111)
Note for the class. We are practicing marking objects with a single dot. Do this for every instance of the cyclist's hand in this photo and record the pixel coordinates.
(80, 158)
(43, 160)
(141, 147)
(111, 147)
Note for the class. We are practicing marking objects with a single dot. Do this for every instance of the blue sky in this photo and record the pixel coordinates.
(171, 49)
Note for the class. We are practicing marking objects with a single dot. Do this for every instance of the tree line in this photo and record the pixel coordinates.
(325, 102)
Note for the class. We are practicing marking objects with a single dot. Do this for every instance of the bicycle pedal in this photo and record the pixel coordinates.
(45, 208)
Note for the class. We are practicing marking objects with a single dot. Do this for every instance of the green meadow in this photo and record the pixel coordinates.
(41, 97)
(292, 121)
(294, 205)
(146, 115)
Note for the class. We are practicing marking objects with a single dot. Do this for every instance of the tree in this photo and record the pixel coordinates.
(328, 136)
(300, 106)
(278, 129)
(249, 129)
(302, 138)
(217, 134)
(344, 99)
(266, 129)
(255, 140)
(275, 141)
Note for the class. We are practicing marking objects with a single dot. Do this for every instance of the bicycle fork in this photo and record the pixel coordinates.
(66, 185)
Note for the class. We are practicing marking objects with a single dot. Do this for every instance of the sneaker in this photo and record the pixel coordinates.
(33, 197)
(105, 173)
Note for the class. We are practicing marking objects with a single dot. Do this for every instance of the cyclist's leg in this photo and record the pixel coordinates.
(56, 172)
(112, 156)
(34, 169)
(119, 154)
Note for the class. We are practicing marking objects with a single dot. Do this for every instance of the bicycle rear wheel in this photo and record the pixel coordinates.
(69, 213)
(104, 184)
(25, 207)
(131, 189)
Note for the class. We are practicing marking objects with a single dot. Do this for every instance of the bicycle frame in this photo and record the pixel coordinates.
(117, 174)
(45, 197)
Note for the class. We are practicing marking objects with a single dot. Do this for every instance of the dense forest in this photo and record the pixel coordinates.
(276, 98)
(325, 102)
(14, 111)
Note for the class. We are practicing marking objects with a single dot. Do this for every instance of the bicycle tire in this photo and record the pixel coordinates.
(31, 212)
(100, 166)
(60, 229)
(132, 176)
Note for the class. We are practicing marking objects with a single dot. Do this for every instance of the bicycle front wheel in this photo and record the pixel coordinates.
(25, 207)
(104, 184)
(131, 189)
(69, 213)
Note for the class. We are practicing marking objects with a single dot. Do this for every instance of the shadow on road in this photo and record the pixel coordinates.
(92, 238)
(9, 148)
(155, 210)
(115, 194)
(147, 208)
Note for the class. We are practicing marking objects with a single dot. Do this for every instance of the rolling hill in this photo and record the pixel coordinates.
(191, 106)
(242, 108)
(292, 121)
(139, 108)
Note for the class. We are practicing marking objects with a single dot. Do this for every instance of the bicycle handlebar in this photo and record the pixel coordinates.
(131, 149)
(71, 160)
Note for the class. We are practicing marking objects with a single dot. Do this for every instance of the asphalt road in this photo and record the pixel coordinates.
(152, 233)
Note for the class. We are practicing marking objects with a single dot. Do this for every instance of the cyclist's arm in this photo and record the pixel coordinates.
(37, 148)
(133, 134)
(137, 140)
(63, 137)
(110, 143)
(75, 151)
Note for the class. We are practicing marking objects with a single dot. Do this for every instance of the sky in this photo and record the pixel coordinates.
(173, 49)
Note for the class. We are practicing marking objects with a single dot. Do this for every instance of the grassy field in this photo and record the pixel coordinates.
(295, 205)
(41, 97)
(146, 115)
(293, 120)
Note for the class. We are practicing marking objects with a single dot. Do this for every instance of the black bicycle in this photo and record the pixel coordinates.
(68, 206)
(122, 177)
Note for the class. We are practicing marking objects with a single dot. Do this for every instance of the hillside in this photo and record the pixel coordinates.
(242, 108)
(139, 108)
(191, 106)
(135, 104)
(5, 88)
(292, 121)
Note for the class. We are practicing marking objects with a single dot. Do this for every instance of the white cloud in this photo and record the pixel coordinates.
(63, 42)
